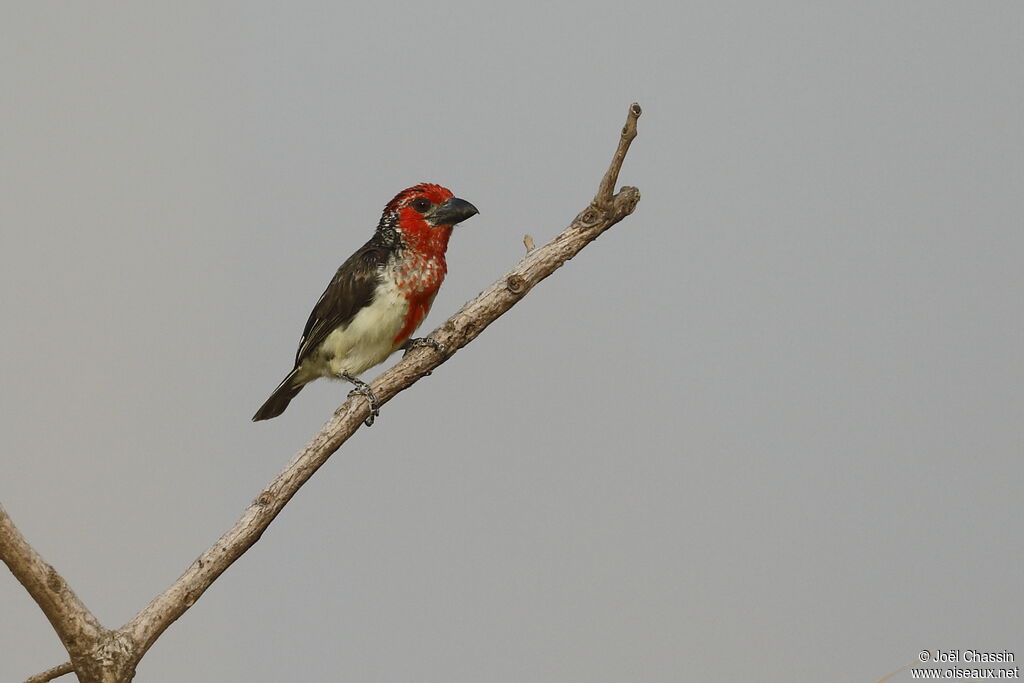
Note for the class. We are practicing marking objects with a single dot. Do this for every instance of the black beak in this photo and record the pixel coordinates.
(453, 211)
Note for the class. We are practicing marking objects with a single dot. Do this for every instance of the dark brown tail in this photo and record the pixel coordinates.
(279, 400)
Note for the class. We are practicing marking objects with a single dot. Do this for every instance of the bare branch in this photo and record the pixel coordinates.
(111, 656)
(75, 625)
(611, 177)
(50, 674)
(458, 331)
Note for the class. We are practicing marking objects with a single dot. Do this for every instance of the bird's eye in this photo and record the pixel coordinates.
(420, 204)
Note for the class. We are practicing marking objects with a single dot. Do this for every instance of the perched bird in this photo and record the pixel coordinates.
(378, 297)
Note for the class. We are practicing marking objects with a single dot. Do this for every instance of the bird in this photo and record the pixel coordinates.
(378, 297)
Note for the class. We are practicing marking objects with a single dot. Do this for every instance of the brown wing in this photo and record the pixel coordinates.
(351, 289)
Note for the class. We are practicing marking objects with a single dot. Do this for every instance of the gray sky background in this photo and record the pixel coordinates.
(769, 428)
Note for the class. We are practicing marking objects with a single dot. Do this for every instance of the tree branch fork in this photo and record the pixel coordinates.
(99, 655)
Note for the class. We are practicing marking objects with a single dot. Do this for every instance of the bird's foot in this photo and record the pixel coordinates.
(363, 389)
(419, 342)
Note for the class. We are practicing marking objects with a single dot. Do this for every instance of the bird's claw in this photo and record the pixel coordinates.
(419, 342)
(363, 389)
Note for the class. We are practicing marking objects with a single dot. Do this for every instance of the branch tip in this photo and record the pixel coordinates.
(603, 199)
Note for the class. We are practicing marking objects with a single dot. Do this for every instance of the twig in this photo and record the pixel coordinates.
(50, 674)
(916, 662)
(603, 199)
